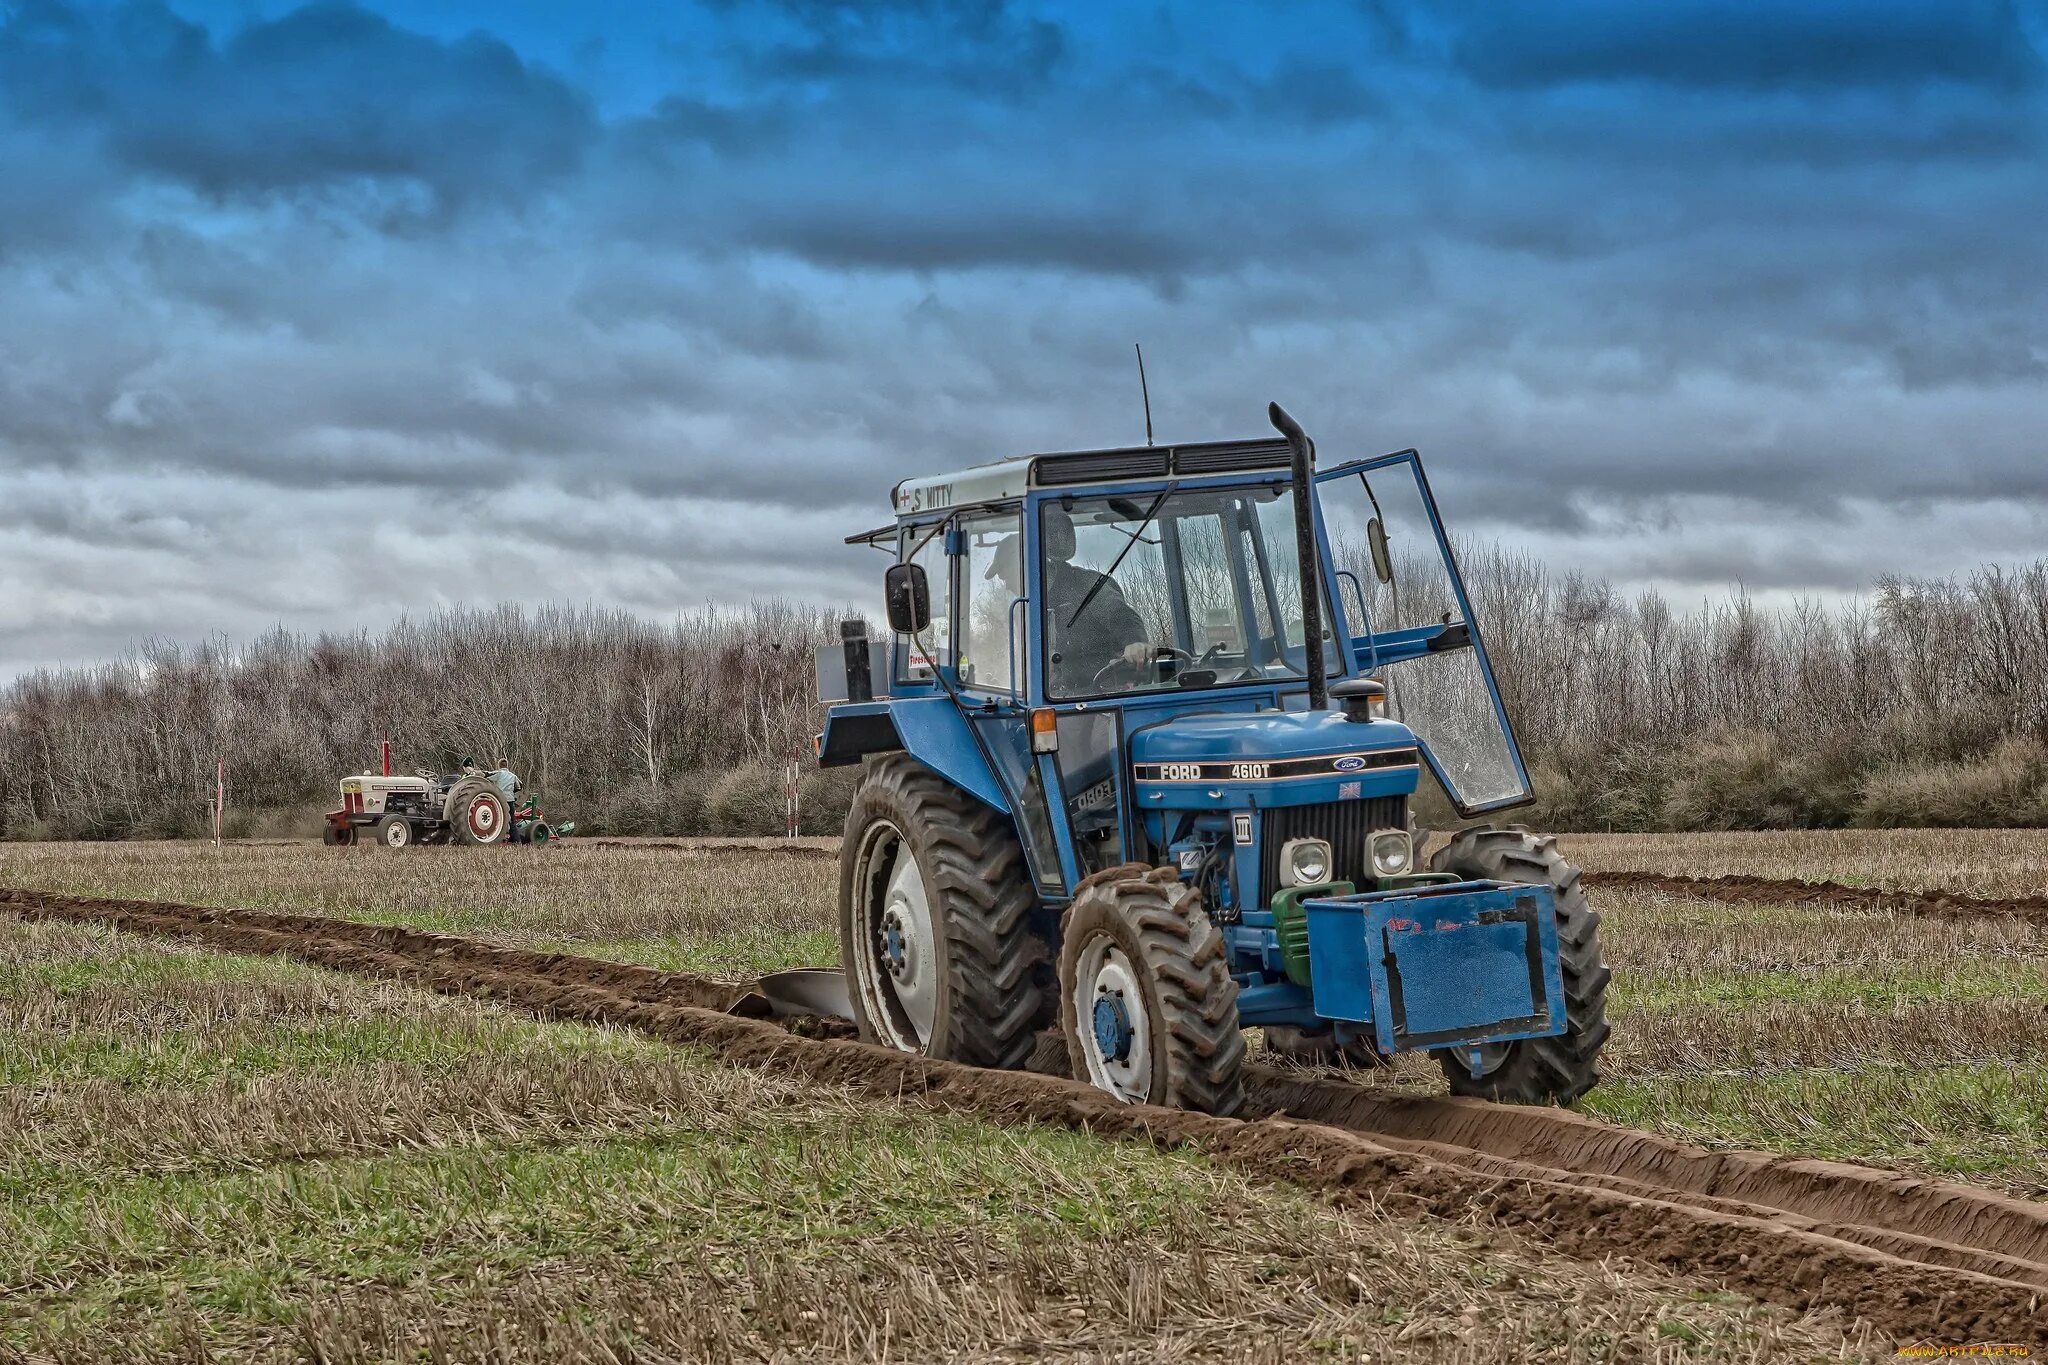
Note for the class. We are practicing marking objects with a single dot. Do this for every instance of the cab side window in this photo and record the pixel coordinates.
(991, 580)
(926, 545)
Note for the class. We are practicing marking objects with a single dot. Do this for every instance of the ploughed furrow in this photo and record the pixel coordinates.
(1934, 1221)
(1966, 1264)
(1832, 895)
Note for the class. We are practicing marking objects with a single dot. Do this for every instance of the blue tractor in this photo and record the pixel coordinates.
(1139, 760)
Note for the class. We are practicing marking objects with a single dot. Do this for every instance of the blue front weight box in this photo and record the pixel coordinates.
(1447, 965)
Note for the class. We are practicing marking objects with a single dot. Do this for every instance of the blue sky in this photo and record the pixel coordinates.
(320, 314)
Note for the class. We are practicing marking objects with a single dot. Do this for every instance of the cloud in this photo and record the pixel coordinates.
(983, 47)
(346, 294)
(1811, 44)
(326, 95)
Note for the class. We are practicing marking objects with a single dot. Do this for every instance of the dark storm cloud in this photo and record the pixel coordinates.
(1798, 43)
(323, 95)
(982, 49)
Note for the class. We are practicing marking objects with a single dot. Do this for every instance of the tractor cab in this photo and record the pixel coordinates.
(1188, 691)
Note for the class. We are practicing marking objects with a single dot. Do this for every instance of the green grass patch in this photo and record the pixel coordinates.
(445, 921)
(746, 952)
(166, 1024)
(1875, 986)
(184, 1057)
(134, 965)
(1966, 1121)
(251, 1246)
(750, 953)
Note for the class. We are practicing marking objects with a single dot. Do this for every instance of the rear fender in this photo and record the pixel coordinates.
(930, 729)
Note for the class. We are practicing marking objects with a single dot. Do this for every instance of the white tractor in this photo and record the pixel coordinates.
(468, 807)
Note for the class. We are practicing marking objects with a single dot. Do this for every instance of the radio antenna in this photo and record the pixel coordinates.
(1143, 391)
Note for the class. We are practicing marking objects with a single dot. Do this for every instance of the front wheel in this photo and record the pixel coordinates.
(1535, 1070)
(394, 831)
(1147, 1003)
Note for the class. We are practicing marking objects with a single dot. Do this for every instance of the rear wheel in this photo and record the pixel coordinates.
(395, 831)
(935, 906)
(1536, 1070)
(1147, 1003)
(477, 814)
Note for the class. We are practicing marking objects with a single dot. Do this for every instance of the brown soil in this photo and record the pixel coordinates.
(1916, 1258)
(1834, 895)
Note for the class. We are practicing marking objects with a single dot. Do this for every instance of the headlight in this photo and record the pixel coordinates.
(1305, 862)
(1393, 853)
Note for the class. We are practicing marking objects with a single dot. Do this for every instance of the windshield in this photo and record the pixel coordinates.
(1175, 588)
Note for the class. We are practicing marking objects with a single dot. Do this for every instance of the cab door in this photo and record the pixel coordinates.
(1411, 624)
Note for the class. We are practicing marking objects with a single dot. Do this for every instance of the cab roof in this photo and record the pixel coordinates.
(1011, 478)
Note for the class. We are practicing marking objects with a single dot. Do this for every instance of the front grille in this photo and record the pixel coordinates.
(1348, 826)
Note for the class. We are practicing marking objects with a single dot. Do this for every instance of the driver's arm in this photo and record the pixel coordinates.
(1117, 628)
(1122, 622)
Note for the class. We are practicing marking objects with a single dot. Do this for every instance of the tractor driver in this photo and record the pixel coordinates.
(1107, 631)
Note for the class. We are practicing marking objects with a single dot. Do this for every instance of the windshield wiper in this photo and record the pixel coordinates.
(1117, 563)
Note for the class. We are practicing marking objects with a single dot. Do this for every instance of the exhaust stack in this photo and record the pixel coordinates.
(1304, 451)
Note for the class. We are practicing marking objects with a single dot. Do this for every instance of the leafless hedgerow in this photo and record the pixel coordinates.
(1925, 705)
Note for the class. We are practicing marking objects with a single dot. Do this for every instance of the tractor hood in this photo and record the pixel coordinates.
(1273, 737)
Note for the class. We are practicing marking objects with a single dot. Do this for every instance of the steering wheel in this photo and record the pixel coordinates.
(1161, 654)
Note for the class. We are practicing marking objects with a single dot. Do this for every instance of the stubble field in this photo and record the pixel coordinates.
(263, 1159)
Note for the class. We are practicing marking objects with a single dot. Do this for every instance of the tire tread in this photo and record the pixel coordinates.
(1539, 1070)
(1183, 953)
(995, 999)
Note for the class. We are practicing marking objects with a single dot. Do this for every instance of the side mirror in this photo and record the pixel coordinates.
(1382, 559)
(909, 598)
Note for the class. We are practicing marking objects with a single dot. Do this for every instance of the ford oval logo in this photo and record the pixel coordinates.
(1350, 763)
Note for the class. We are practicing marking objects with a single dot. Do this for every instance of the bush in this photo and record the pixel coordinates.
(676, 807)
(826, 793)
(2006, 788)
(1744, 779)
(748, 799)
(18, 823)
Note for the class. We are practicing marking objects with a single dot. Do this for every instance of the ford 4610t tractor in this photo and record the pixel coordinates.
(1139, 760)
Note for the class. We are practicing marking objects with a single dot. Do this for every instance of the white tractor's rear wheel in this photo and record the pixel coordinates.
(395, 831)
(478, 814)
(1147, 1003)
(935, 921)
(1535, 1070)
